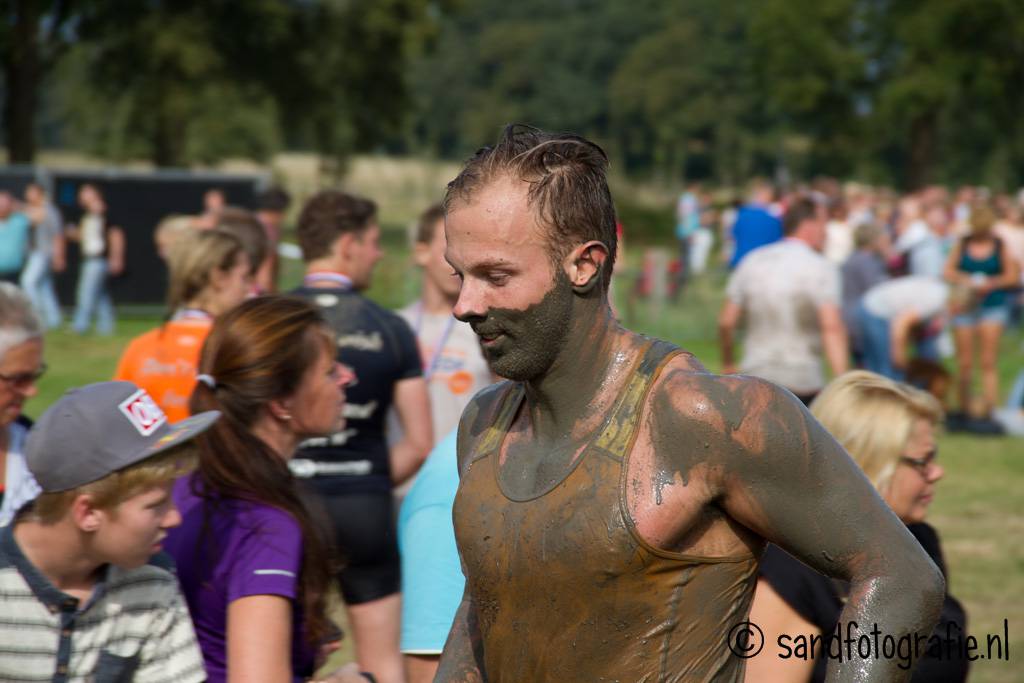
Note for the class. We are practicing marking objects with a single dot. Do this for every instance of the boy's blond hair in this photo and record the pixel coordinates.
(117, 487)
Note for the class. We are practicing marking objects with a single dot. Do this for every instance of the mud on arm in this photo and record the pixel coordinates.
(787, 479)
(462, 658)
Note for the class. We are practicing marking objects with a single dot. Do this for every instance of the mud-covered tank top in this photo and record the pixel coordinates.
(564, 587)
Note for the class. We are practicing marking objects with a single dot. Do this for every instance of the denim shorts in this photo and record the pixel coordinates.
(983, 314)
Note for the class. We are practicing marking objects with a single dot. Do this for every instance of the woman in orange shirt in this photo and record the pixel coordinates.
(210, 273)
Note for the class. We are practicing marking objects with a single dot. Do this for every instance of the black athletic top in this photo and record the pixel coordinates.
(819, 600)
(380, 347)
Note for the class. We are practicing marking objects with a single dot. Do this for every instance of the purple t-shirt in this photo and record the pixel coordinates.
(240, 549)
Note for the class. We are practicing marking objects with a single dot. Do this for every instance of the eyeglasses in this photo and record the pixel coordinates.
(24, 380)
(922, 465)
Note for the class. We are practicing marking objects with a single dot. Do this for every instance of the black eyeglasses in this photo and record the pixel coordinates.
(922, 465)
(22, 380)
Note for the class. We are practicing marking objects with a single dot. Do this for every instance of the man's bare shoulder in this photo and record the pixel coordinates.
(728, 414)
(480, 413)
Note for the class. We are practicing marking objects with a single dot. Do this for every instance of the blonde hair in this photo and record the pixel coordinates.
(170, 230)
(982, 219)
(193, 258)
(117, 487)
(871, 416)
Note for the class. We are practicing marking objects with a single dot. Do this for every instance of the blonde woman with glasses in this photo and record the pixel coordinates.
(889, 429)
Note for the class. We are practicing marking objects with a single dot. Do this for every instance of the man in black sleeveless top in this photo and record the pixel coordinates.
(354, 470)
(615, 496)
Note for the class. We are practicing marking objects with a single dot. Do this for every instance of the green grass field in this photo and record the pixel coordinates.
(979, 509)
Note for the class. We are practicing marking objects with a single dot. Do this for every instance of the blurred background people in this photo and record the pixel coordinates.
(432, 580)
(46, 254)
(897, 313)
(210, 274)
(254, 564)
(214, 202)
(246, 227)
(271, 206)
(862, 270)
(168, 231)
(354, 470)
(786, 295)
(755, 224)
(980, 263)
(102, 247)
(688, 213)
(21, 366)
(453, 365)
(14, 235)
(889, 429)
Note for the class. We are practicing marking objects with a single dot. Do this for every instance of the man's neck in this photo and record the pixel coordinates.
(329, 266)
(588, 367)
(435, 301)
(57, 551)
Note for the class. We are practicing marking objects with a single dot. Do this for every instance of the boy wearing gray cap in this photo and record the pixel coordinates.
(78, 600)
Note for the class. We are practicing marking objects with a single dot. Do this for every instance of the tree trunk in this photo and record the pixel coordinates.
(170, 130)
(922, 150)
(22, 71)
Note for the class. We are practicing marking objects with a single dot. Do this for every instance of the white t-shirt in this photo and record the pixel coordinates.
(838, 241)
(93, 238)
(923, 295)
(780, 288)
(459, 369)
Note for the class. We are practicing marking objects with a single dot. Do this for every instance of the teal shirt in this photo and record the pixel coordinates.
(14, 232)
(991, 266)
(432, 581)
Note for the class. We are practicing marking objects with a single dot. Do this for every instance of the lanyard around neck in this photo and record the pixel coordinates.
(439, 347)
(336, 279)
(191, 314)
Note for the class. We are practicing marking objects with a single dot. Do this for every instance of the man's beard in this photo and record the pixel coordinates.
(529, 340)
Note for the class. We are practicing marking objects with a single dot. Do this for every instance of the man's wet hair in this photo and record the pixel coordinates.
(568, 186)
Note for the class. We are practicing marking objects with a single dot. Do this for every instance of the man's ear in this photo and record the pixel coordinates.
(343, 246)
(86, 515)
(584, 265)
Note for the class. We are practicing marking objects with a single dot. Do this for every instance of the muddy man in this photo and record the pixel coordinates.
(615, 496)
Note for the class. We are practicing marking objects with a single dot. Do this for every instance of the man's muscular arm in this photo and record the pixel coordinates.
(462, 658)
(779, 473)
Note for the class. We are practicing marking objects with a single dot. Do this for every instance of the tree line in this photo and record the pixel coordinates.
(904, 92)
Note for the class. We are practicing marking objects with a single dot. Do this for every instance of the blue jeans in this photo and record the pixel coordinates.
(875, 337)
(878, 347)
(93, 296)
(37, 281)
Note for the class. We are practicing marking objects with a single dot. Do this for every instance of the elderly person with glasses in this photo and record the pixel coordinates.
(21, 365)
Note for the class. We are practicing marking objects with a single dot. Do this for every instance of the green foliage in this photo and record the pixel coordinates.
(185, 81)
(901, 91)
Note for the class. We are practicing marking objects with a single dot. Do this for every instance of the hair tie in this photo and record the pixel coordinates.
(207, 380)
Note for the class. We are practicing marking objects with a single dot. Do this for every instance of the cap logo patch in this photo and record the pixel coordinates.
(143, 412)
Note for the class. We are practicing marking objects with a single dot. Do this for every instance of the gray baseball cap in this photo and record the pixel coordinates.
(100, 428)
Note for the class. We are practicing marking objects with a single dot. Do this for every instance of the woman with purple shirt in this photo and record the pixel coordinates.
(253, 563)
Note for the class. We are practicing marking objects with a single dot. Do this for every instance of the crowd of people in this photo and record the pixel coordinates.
(257, 452)
(857, 276)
